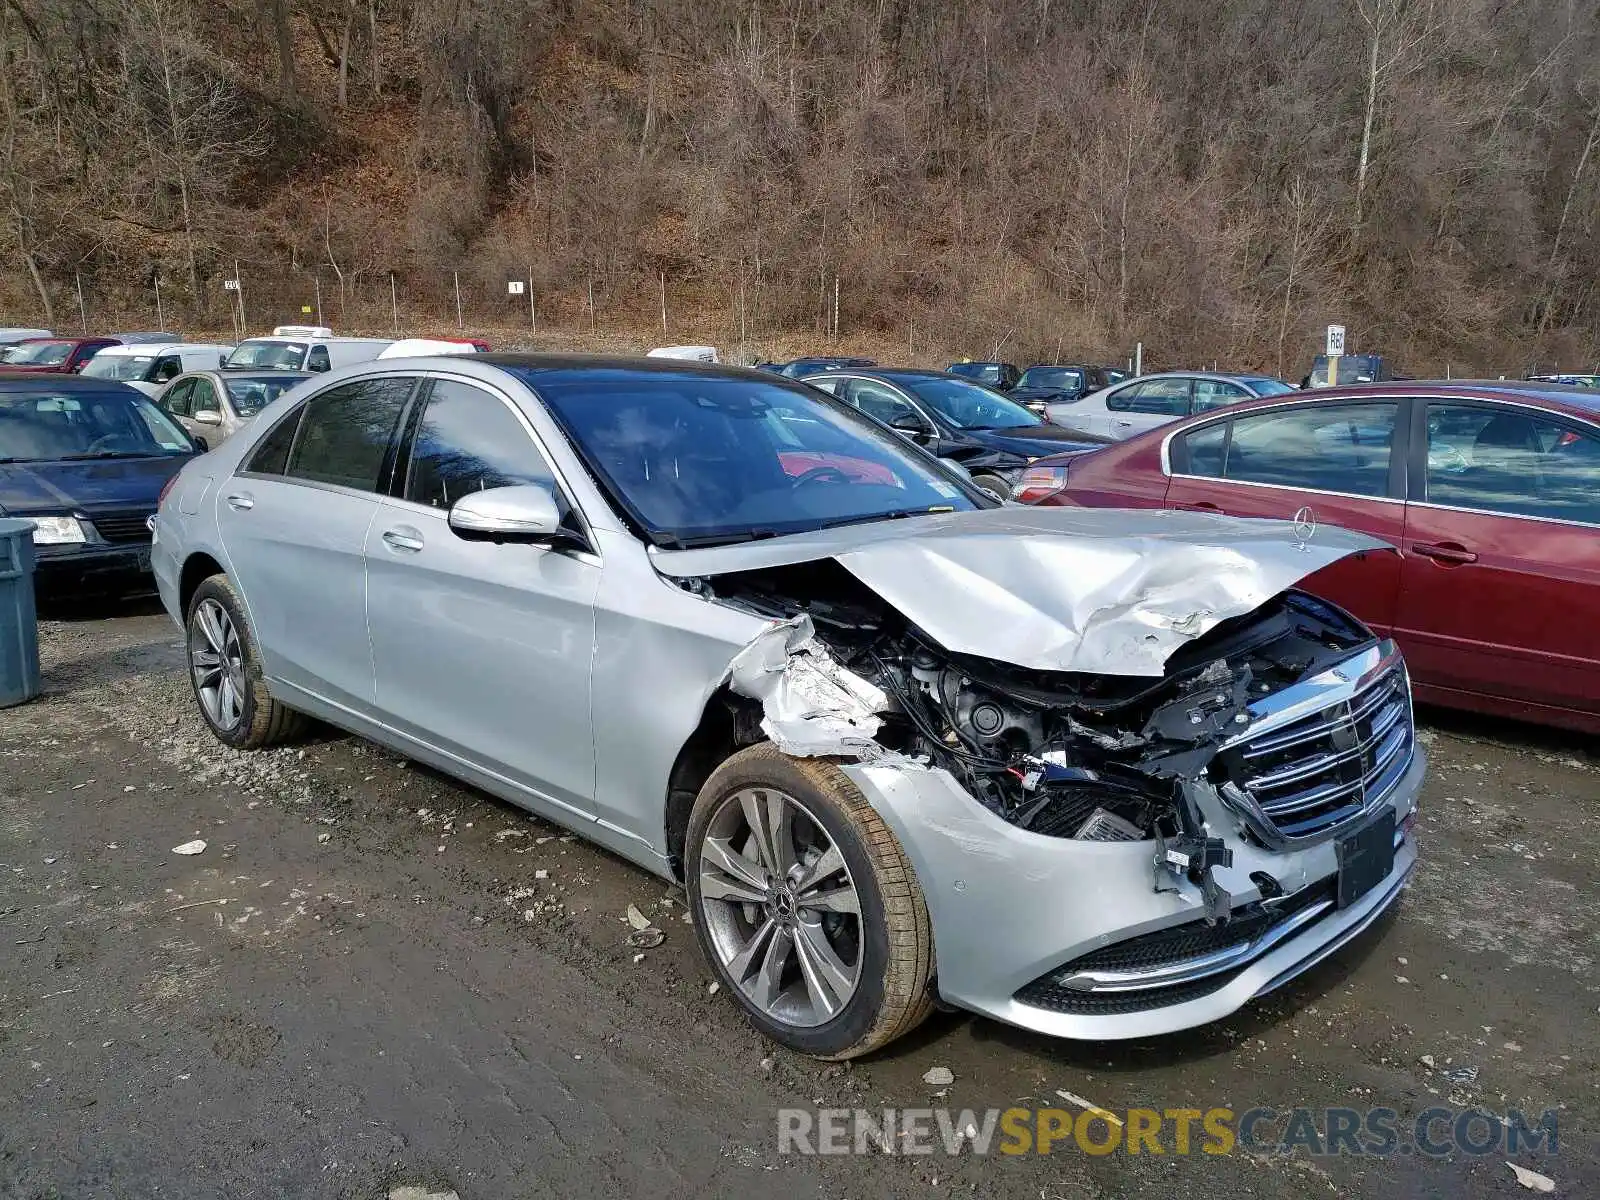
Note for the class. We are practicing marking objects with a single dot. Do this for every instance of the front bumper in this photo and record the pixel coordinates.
(91, 569)
(1009, 906)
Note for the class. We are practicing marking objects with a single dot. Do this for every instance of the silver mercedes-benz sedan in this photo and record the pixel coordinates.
(1099, 774)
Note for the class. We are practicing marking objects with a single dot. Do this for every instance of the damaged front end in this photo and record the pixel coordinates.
(1136, 853)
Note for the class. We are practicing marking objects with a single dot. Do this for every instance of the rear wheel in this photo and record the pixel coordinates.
(225, 671)
(994, 485)
(806, 906)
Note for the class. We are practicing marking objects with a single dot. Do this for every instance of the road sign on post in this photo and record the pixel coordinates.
(516, 287)
(230, 285)
(1335, 340)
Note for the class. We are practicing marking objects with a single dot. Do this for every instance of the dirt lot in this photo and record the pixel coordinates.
(373, 977)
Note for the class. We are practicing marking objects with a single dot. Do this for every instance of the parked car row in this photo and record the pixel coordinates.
(92, 428)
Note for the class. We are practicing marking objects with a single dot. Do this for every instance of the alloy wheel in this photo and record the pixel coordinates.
(781, 909)
(216, 656)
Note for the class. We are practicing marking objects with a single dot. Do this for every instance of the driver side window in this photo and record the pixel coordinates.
(882, 403)
(203, 397)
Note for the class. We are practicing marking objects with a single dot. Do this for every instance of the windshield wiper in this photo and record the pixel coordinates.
(674, 542)
(898, 514)
(108, 454)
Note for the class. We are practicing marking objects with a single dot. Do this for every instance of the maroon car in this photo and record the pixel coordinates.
(54, 356)
(1490, 491)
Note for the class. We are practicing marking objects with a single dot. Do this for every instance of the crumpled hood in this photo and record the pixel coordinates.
(1108, 591)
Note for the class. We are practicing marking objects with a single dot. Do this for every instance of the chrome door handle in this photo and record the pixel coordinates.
(1449, 554)
(403, 538)
(240, 502)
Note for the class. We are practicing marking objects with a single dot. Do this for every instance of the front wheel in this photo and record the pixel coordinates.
(806, 906)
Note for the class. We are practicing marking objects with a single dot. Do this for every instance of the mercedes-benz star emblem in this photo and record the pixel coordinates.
(1305, 526)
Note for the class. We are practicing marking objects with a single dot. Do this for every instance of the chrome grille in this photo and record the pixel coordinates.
(122, 525)
(1330, 766)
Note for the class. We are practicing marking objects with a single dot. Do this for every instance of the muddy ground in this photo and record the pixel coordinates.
(373, 977)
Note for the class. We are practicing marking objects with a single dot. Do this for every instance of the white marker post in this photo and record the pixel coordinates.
(1335, 351)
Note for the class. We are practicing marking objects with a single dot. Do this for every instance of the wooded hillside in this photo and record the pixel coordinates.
(1217, 178)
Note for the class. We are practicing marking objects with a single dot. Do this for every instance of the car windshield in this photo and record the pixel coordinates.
(698, 460)
(1265, 385)
(40, 354)
(265, 352)
(987, 372)
(255, 393)
(968, 406)
(1051, 377)
(135, 367)
(46, 426)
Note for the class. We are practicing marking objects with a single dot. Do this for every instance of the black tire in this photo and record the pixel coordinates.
(894, 992)
(262, 721)
(994, 485)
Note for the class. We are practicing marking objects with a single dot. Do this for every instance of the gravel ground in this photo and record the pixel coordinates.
(373, 977)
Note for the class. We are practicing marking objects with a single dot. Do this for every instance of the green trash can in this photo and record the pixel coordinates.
(19, 624)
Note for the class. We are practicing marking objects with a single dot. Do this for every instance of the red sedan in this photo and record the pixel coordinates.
(1490, 491)
(54, 356)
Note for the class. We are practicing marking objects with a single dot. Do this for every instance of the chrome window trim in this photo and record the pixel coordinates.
(1487, 512)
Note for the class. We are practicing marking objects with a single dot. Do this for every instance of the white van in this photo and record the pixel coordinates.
(706, 354)
(426, 347)
(150, 366)
(303, 348)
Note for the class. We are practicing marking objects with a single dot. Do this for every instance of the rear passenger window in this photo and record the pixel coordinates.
(1204, 450)
(1505, 461)
(1327, 447)
(469, 441)
(272, 455)
(346, 433)
(318, 359)
(1156, 397)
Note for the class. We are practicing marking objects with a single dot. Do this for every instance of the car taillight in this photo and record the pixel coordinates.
(165, 488)
(1038, 483)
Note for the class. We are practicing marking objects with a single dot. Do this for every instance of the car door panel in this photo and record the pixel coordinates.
(482, 650)
(1493, 602)
(1368, 585)
(294, 523)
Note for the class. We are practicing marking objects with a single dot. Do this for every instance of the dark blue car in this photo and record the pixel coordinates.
(85, 460)
(988, 433)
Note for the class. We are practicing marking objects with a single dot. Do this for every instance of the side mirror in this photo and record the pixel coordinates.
(908, 423)
(209, 416)
(524, 513)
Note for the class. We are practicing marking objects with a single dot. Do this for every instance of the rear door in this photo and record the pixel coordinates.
(1502, 554)
(1336, 463)
(294, 522)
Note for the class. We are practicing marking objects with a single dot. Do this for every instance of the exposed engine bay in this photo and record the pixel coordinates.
(1072, 755)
